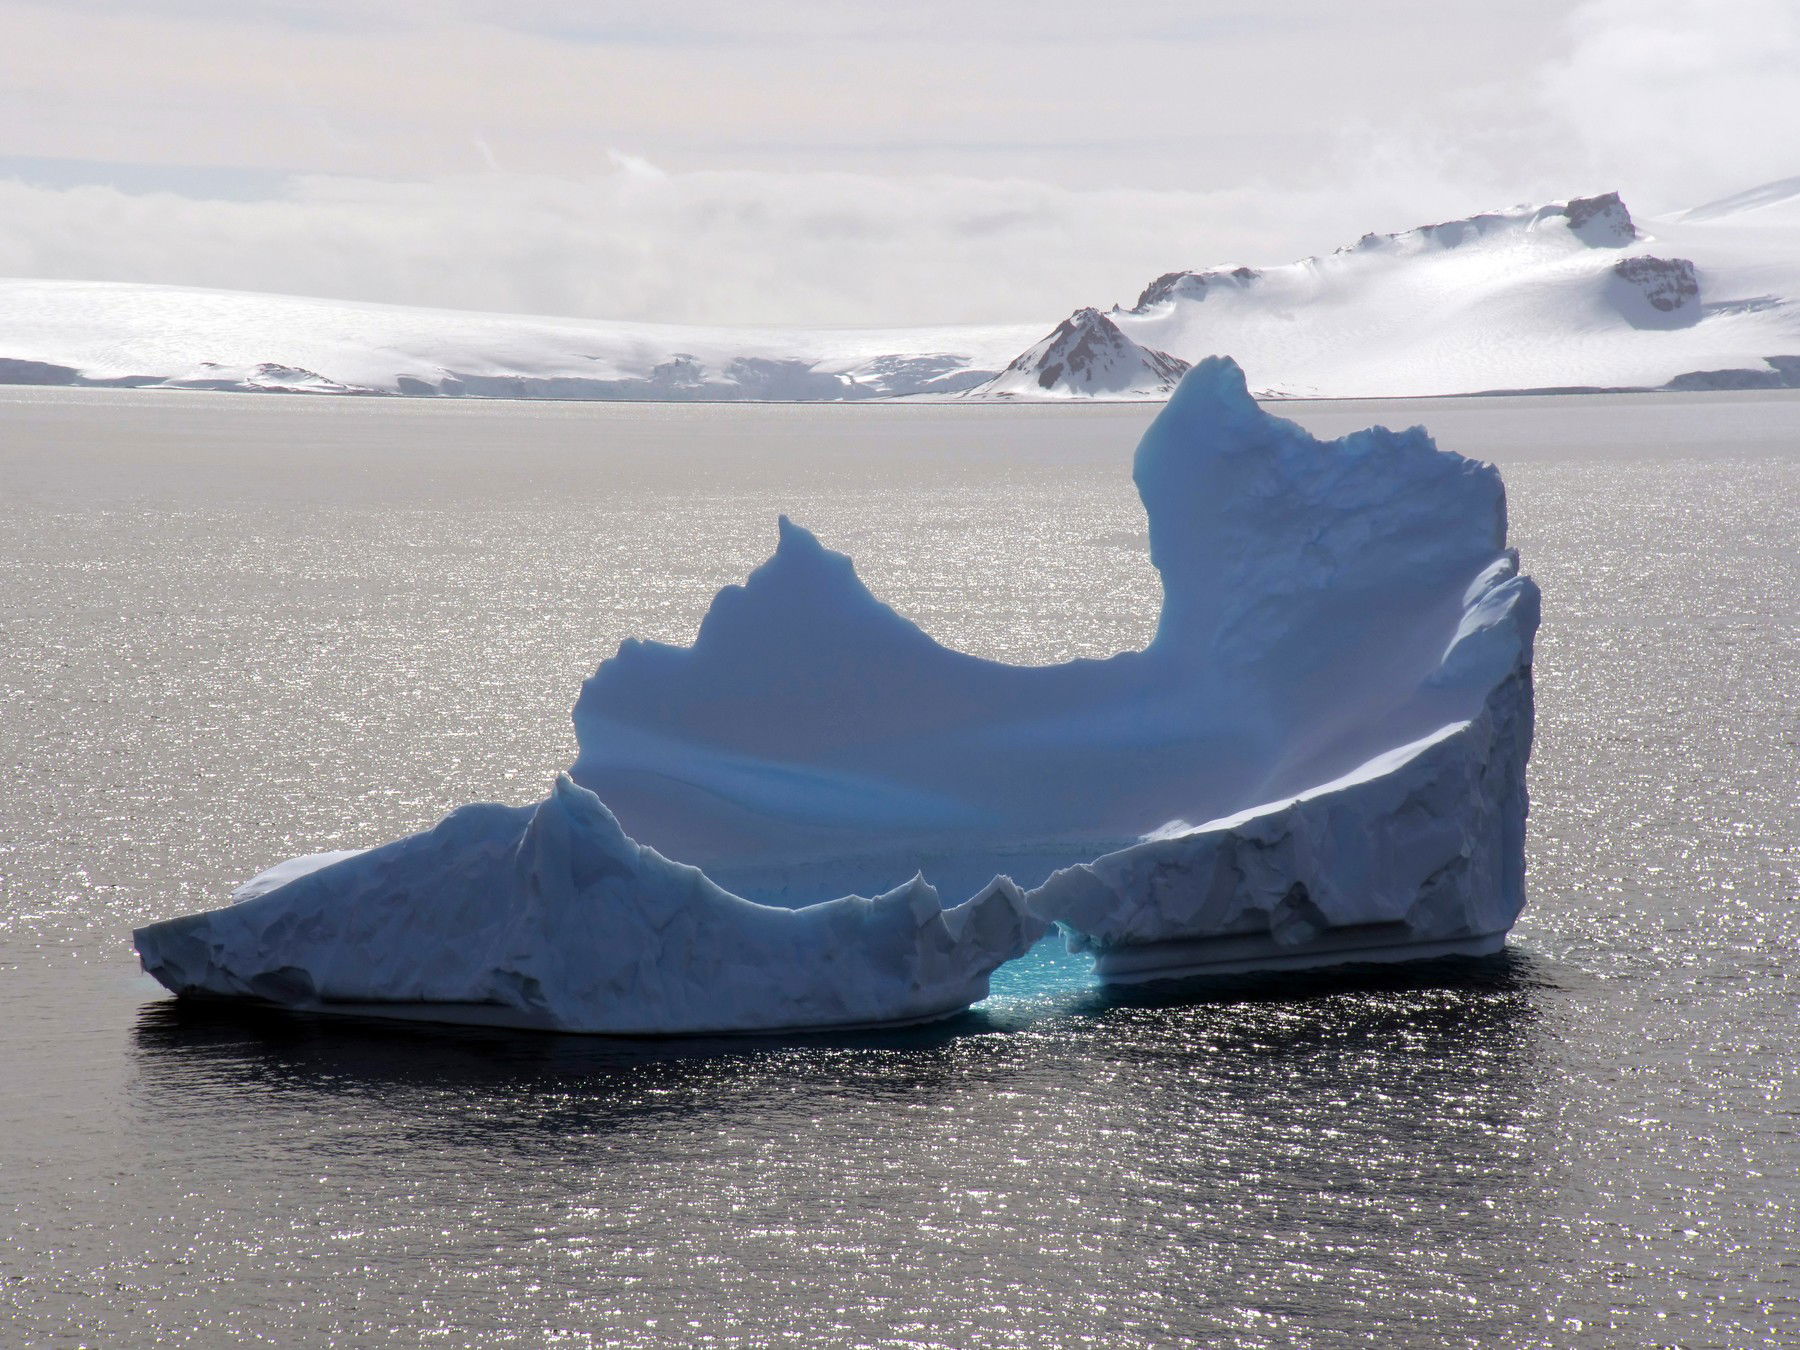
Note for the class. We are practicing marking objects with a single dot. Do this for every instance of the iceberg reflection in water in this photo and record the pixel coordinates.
(1318, 759)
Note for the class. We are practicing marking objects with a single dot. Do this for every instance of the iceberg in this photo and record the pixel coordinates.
(1319, 758)
(549, 917)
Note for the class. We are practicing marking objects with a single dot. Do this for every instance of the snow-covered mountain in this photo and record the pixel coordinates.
(1572, 295)
(1569, 295)
(1088, 354)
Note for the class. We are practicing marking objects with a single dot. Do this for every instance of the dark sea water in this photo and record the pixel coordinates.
(235, 628)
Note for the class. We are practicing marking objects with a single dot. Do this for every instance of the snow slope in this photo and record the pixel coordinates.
(1569, 295)
(65, 332)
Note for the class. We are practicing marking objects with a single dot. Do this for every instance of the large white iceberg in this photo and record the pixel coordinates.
(1319, 758)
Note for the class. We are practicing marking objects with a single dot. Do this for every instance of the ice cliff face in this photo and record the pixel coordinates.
(549, 917)
(1087, 356)
(1417, 852)
(1319, 757)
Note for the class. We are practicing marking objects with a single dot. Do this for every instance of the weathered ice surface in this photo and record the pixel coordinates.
(1419, 849)
(1418, 853)
(1324, 603)
(549, 916)
(1319, 757)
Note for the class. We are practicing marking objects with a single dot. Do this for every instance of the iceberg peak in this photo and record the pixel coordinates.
(1260, 531)
(791, 539)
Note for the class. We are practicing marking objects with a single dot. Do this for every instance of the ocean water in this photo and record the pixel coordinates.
(235, 628)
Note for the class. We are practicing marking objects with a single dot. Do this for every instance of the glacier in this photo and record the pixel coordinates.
(1319, 758)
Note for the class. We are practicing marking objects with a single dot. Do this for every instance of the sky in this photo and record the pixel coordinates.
(842, 163)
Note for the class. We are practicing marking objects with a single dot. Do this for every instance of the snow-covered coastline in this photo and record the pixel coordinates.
(1571, 296)
(135, 336)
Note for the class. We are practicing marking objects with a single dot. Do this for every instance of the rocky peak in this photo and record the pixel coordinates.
(1600, 222)
(1190, 286)
(1655, 292)
(1087, 353)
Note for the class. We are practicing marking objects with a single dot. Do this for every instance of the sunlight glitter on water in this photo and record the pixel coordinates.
(240, 628)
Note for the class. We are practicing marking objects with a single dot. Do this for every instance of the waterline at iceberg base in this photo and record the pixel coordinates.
(1318, 759)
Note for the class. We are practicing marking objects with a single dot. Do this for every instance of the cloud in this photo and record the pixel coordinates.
(1682, 99)
(641, 243)
(857, 163)
(1159, 93)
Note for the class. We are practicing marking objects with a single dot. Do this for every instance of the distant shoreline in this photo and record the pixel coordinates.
(898, 401)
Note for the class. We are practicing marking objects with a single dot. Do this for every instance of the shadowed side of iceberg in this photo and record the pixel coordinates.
(550, 917)
(811, 740)
(1417, 853)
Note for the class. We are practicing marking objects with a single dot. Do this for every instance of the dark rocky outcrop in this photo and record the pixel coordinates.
(1655, 292)
(13, 370)
(1783, 373)
(1600, 222)
(1191, 286)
